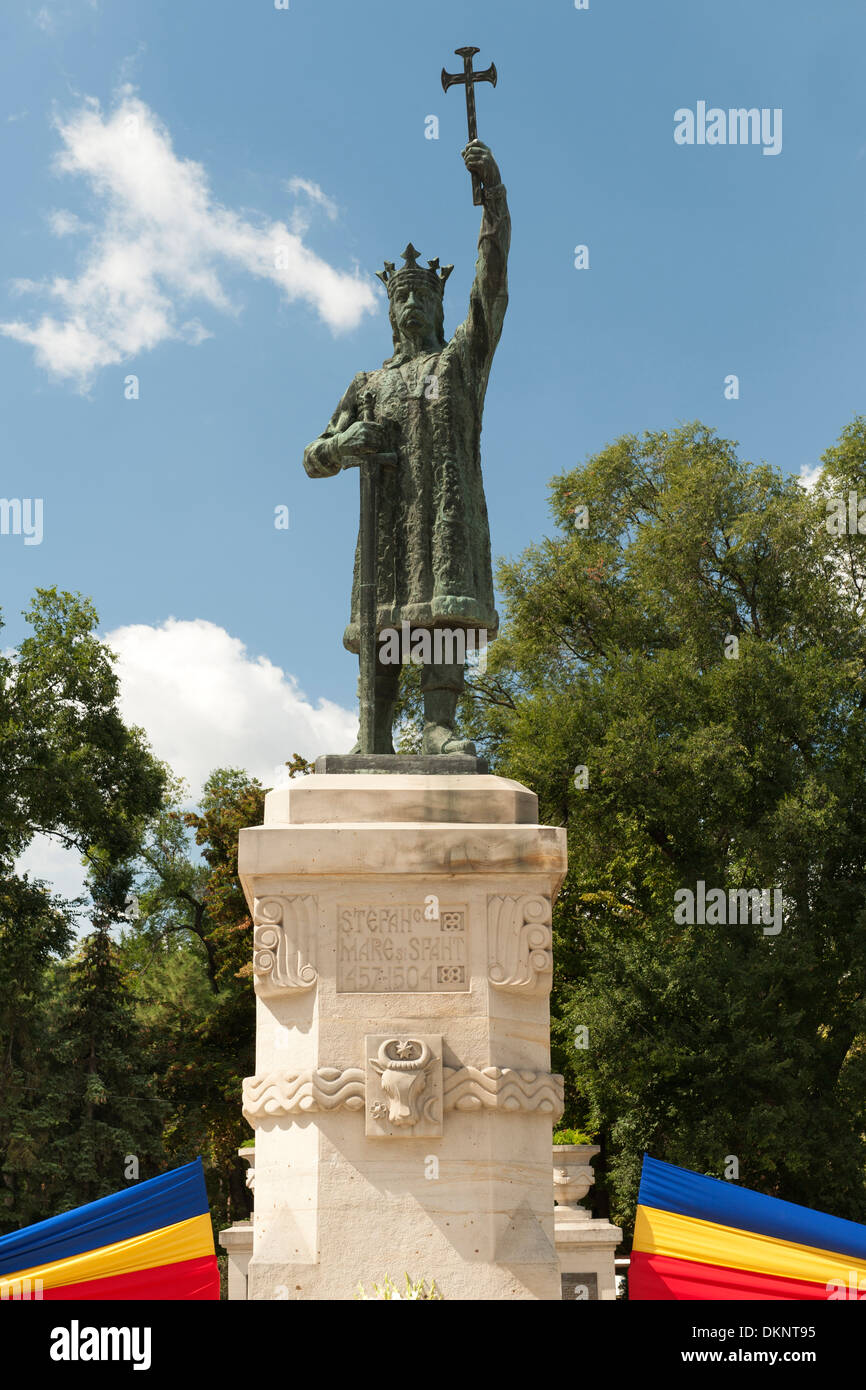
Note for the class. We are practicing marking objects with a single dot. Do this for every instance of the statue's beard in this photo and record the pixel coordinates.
(409, 343)
(415, 339)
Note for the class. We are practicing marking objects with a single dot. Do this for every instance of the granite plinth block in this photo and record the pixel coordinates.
(427, 765)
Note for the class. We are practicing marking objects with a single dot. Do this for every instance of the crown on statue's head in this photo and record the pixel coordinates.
(433, 275)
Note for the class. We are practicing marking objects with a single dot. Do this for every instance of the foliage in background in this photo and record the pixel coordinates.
(190, 954)
(130, 1042)
(101, 1101)
(71, 769)
(573, 1136)
(703, 1041)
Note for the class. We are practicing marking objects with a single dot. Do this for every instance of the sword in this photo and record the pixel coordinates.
(370, 466)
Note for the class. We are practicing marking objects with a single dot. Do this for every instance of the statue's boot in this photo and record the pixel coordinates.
(441, 685)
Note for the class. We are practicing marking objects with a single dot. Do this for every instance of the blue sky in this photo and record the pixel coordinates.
(704, 261)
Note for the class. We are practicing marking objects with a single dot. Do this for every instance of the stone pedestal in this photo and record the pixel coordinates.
(586, 1245)
(237, 1239)
(403, 1100)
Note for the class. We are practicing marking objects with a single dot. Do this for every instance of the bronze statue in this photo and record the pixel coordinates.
(414, 427)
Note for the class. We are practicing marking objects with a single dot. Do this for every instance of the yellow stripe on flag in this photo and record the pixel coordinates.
(680, 1237)
(185, 1240)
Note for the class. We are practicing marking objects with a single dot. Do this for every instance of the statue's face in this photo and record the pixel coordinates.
(415, 309)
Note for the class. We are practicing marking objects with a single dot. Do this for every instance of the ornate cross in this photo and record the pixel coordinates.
(469, 78)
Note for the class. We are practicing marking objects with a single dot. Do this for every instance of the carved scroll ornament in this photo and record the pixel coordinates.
(519, 941)
(284, 944)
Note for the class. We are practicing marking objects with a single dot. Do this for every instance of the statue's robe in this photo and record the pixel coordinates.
(433, 565)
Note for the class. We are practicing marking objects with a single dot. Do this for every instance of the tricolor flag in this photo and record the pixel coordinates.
(153, 1241)
(701, 1238)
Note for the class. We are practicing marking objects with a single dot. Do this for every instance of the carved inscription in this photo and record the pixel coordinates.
(401, 949)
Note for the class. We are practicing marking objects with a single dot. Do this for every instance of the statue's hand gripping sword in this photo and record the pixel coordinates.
(469, 78)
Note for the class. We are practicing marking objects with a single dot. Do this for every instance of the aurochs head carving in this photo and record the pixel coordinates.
(402, 1064)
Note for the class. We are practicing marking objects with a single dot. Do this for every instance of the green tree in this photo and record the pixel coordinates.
(191, 955)
(698, 647)
(107, 1109)
(71, 769)
(34, 931)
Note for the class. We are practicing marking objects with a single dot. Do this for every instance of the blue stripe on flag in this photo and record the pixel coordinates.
(669, 1188)
(147, 1206)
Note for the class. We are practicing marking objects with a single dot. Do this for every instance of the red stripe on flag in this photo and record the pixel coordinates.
(659, 1277)
(187, 1279)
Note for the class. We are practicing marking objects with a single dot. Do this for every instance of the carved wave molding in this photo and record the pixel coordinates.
(280, 1095)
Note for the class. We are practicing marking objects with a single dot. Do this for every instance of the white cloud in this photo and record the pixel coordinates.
(300, 219)
(808, 477)
(64, 223)
(59, 14)
(162, 241)
(205, 702)
(59, 866)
